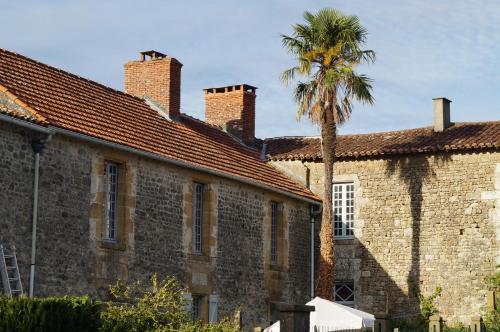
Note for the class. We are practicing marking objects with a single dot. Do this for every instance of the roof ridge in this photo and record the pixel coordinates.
(290, 137)
(66, 72)
(202, 122)
(222, 131)
(389, 131)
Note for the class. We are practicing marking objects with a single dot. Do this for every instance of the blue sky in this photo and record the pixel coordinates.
(425, 49)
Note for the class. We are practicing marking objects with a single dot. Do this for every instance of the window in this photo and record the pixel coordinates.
(344, 293)
(343, 210)
(198, 218)
(274, 232)
(196, 309)
(110, 200)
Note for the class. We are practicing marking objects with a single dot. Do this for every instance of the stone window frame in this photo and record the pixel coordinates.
(203, 307)
(275, 229)
(209, 217)
(344, 206)
(282, 241)
(119, 242)
(198, 217)
(349, 284)
(112, 171)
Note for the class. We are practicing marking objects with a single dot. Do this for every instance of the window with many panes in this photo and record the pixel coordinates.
(110, 201)
(274, 232)
(197, 307)
(343, 210)
(344, 293)
(198, 218)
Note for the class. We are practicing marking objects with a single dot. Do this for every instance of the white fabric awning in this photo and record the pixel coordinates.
(330, 316)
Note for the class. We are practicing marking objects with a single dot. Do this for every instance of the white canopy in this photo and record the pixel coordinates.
(330, 316)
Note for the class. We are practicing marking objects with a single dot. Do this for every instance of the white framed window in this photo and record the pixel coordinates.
(110, 200)
(343, 210)
(343, 293)
(274, 232)
(198, 189)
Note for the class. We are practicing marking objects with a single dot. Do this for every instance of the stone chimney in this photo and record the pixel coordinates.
(232, 108)
(156, 77)
(441, 114)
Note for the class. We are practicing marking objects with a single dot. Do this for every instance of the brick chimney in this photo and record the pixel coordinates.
(441, 114)
(156, 77)
(233, 108)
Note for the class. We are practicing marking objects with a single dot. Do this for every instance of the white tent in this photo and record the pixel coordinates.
(273, 328)
(331, 316)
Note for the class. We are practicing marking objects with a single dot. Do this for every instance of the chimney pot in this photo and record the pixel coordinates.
(441, 114)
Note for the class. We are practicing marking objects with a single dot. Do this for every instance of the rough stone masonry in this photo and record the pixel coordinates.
(426, 220)
(72, 258)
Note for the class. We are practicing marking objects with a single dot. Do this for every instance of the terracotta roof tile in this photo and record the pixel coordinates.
(80, 105)
(460, 136)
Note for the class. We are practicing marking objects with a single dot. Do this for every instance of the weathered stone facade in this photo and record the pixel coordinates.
(154, 227)
(425, 220)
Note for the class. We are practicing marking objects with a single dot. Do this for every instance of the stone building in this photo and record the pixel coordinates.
(128, 186)
(414, 209)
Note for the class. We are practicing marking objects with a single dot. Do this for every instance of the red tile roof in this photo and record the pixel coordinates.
(70, 102)
(458, 137)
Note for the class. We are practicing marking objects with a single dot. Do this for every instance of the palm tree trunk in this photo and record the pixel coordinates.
(326, 270)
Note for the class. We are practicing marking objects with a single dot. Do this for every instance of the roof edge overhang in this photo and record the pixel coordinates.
(23, 105)
(69, 133)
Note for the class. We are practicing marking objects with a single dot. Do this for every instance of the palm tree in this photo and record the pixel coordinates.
(328, 49)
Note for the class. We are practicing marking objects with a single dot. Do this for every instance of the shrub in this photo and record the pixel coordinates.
(158, 308)
(49, 314)
(410, 325)
(492, 318)
(426, 303)
(456, 328)
(427, 306)
(136, 308)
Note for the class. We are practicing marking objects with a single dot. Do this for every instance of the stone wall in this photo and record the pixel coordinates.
(64, 263)
(425, 220)
(16, 176)
(154, 227)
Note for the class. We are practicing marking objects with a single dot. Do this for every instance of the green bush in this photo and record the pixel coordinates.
(158, 307)
(427, 305)
(492, 318)
(137, 308)
(49, 314)
(410, 325)
(457, 328)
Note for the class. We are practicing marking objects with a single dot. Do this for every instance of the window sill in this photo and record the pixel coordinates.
(199, 257)
(343, 241)
(108, 244)
(276, 267)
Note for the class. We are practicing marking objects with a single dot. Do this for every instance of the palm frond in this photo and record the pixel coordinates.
(328, 47)
(289, 75)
